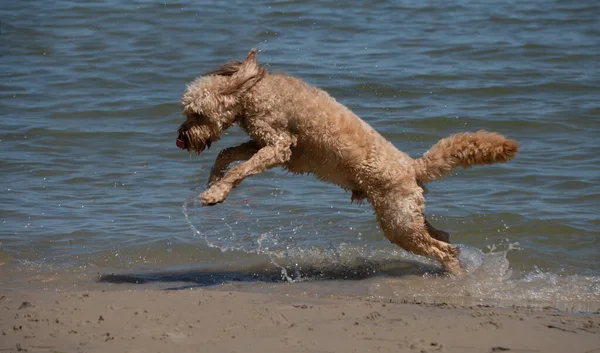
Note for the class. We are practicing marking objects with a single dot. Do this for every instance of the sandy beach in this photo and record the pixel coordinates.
(217, 320)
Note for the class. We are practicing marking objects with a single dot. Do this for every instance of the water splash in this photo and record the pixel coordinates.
(287, 248)
(395, 272)
(491, 281)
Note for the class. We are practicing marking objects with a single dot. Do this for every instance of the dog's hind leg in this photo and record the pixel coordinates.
(401, 219)
(436, 233)
(229, 155)
(421, 243)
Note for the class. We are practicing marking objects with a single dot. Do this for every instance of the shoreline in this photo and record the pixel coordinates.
(220, 320)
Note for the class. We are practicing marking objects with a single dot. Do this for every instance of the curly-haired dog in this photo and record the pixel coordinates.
(301, 128)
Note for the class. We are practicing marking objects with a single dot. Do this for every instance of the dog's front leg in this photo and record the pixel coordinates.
(267, 157)
(229, 155)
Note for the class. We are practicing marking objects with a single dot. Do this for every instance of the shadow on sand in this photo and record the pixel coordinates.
(269, 273)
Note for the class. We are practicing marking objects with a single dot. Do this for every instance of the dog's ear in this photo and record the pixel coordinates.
(251, 58)
(247, 75)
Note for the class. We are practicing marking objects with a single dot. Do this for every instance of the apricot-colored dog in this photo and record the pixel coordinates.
(301, 128)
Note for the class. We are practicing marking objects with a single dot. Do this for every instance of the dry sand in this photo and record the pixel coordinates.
(208, 320)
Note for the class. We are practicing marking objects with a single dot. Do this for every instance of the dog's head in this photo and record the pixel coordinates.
(211, 103)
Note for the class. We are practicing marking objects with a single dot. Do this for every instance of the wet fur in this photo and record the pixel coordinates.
(301, 128)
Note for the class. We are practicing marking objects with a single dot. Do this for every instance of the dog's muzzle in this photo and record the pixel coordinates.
(183, 143)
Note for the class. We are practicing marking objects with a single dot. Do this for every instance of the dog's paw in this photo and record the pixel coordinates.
(214, 195)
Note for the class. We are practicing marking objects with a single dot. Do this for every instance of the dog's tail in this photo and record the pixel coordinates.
(464, 149)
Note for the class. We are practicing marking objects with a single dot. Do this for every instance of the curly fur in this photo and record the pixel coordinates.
(301, 128)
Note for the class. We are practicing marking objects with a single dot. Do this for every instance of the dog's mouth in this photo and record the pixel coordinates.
(180, 143)
(183, 142)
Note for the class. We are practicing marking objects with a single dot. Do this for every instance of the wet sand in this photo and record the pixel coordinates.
(209, 320)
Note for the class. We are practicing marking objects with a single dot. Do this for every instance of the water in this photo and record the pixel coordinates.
(92, 181)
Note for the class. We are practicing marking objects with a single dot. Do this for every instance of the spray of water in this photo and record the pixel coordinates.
(297, 262)
(489, 278)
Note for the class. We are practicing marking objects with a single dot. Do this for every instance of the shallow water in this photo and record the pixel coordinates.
(92, 181)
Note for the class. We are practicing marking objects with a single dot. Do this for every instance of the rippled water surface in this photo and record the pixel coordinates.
(92, 182)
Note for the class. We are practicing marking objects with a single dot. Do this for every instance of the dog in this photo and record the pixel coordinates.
(304, 130)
